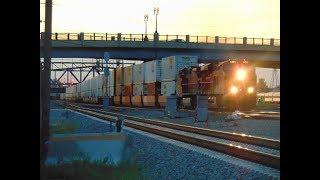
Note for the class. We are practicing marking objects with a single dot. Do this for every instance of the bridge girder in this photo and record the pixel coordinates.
(268, 59)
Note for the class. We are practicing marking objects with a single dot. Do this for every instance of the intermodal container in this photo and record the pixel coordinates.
(128, 90)
(110, 91)
(126, 101)
(149, 101)
(138, 89)
(153, 71)
(170, 66)
(153, 88)
(127, 75)
(119, 78)
(168, 88)
(136, 101)
(138, 73)
(116, 100)
(111, 78)
(119, 89)
(162, 100)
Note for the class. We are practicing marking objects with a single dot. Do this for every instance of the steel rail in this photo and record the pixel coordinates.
(243, 153)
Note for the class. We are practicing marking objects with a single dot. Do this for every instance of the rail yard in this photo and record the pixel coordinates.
(160, 100)
(198, 98)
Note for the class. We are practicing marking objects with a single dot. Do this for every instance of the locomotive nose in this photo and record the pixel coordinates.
(241, 74)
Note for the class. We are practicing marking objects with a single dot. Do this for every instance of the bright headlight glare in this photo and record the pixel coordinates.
(241, 74)
(233, 90)
(250, 90)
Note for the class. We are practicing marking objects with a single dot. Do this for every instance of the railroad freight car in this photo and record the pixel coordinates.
(170, 68)
(90, 91)
(228, 84)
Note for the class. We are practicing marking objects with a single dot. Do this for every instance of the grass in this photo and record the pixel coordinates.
(62, 126)
(84, 169)
(267, 106)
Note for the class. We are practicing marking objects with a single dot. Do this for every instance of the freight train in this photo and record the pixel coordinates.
(229, 84)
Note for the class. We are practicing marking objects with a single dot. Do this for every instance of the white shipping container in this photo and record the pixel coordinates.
(127, 78)
(110, 91)
(138, 73)
(111, 78)
(70, 92)
(138, 89)
(170, 66)
(87, 92)
(83, 88)
(168, 88)
(78, 90)
(100, 92)
(152, 71)
(94, 86)
(62, 96)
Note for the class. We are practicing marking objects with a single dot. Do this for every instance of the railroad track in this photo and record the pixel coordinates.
(259, 141)
(261, 115)
(255, 149)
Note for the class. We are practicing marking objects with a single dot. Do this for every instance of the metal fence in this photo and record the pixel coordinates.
(163, 38)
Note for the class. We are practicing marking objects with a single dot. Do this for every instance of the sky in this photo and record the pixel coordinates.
(229, 18)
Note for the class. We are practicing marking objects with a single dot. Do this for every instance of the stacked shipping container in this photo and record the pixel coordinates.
(127, 88)
(118, 86)
(145, 84)
(138, 80)
(110, 84)
(170, 67)
(152, 84)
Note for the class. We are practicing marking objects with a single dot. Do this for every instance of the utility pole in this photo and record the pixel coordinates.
(45, 77)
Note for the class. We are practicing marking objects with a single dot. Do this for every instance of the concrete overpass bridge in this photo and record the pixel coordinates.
(262, 52)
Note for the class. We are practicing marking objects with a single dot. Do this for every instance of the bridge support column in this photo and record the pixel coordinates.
(187, 38)
(156, 36)
(119, 37)
(244, 40)
(216, 39)
(106, 103)
(271, 42)
(171, 106)
(202, 108)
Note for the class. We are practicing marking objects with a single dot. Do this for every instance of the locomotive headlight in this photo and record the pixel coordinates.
(234, 90)
(241, 74)
(250, 90)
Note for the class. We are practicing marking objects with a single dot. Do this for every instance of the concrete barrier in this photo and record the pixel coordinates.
(98, 146)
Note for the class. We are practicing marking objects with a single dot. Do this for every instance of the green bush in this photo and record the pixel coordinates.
(62, 126)
(82, 168)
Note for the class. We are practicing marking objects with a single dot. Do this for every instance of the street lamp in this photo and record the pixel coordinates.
(145, 21)
(156, 12)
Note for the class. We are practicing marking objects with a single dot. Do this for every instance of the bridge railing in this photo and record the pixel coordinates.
(163, 38)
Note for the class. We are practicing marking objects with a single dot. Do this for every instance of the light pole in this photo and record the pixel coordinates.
(145, 21)
(156, 12)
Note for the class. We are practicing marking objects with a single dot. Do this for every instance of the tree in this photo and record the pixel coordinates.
(262, 85)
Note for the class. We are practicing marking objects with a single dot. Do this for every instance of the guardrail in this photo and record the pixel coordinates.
(163, 38)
